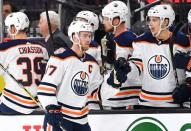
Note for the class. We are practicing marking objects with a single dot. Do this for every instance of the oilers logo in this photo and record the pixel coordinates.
(80, 83)
(158, 67)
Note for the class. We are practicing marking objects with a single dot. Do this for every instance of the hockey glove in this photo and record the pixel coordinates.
(54, 116)
(42, 65)
(182, 61)
(122, 68)
(111, 82)
(182, 93)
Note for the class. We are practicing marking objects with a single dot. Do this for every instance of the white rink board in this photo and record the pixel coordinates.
(21, 123)
(121, 122)
(100, 122)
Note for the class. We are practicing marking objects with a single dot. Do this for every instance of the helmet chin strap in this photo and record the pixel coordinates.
(115, 26)
(78, 43)
(161, 29)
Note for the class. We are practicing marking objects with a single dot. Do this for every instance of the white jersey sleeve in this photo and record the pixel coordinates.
(48, 87)
(136, 63)
(124, 44)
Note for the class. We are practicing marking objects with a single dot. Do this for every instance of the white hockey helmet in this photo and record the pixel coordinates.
(115, 9)
(189, 17)
(163, 12)
(91, 17)
(78, 26)
(19, 20)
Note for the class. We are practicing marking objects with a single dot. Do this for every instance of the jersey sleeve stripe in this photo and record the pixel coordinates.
(74, 118)
(135, 92)
(16, 94)
(17, 99)
(75, 113)
(123, 98)
(48, 84)
(21, 105)
(46, 94)
(154, 98)
(46, 89)
(130, 88)
(71, 107)
(139, 64)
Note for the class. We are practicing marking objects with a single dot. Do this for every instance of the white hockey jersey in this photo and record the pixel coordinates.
(151, 58)
(129, 91)
(21, 58)
(69, 81)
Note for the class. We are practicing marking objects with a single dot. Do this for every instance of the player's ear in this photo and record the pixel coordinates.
(75, 38)
(13, 29)
(165, 23)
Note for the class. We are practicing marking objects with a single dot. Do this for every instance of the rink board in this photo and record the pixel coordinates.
(144, 120)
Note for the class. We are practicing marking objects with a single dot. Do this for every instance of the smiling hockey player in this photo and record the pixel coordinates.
(70, 78)
(152, 59)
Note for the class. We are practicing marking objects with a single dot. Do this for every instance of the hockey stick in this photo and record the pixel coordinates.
(48, 22)
(146, 7)
(51, 37)
(171, 44)
(22, 87)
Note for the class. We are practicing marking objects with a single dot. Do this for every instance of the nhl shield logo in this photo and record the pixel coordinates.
(158, 67)
(80, 83)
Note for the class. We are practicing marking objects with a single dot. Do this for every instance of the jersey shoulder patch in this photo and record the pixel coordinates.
(94, 44)
(66, 54)
(125, 39)
(90, 58)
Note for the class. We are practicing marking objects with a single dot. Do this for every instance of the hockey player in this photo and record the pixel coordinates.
(70, 79)
(183, 61)
(114, 16)
(94, 48)
(21, 57)
(152, 60)
(92, 19)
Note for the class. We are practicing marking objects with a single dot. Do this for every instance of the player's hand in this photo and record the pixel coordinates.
(122, 68)
(53, 116)
(182, 61)
(111, 82)
(182, 93)
(42, 65)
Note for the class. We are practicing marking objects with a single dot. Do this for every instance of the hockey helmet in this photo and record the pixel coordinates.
(78, 26)
(163, 12)
(91, 18)
(19, 20)
(115, 9)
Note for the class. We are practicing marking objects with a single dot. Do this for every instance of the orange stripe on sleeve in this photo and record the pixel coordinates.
(18, 99)
(47, 89)
(169, 98)
(83, 112)
(128, 93)
(139, 64)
